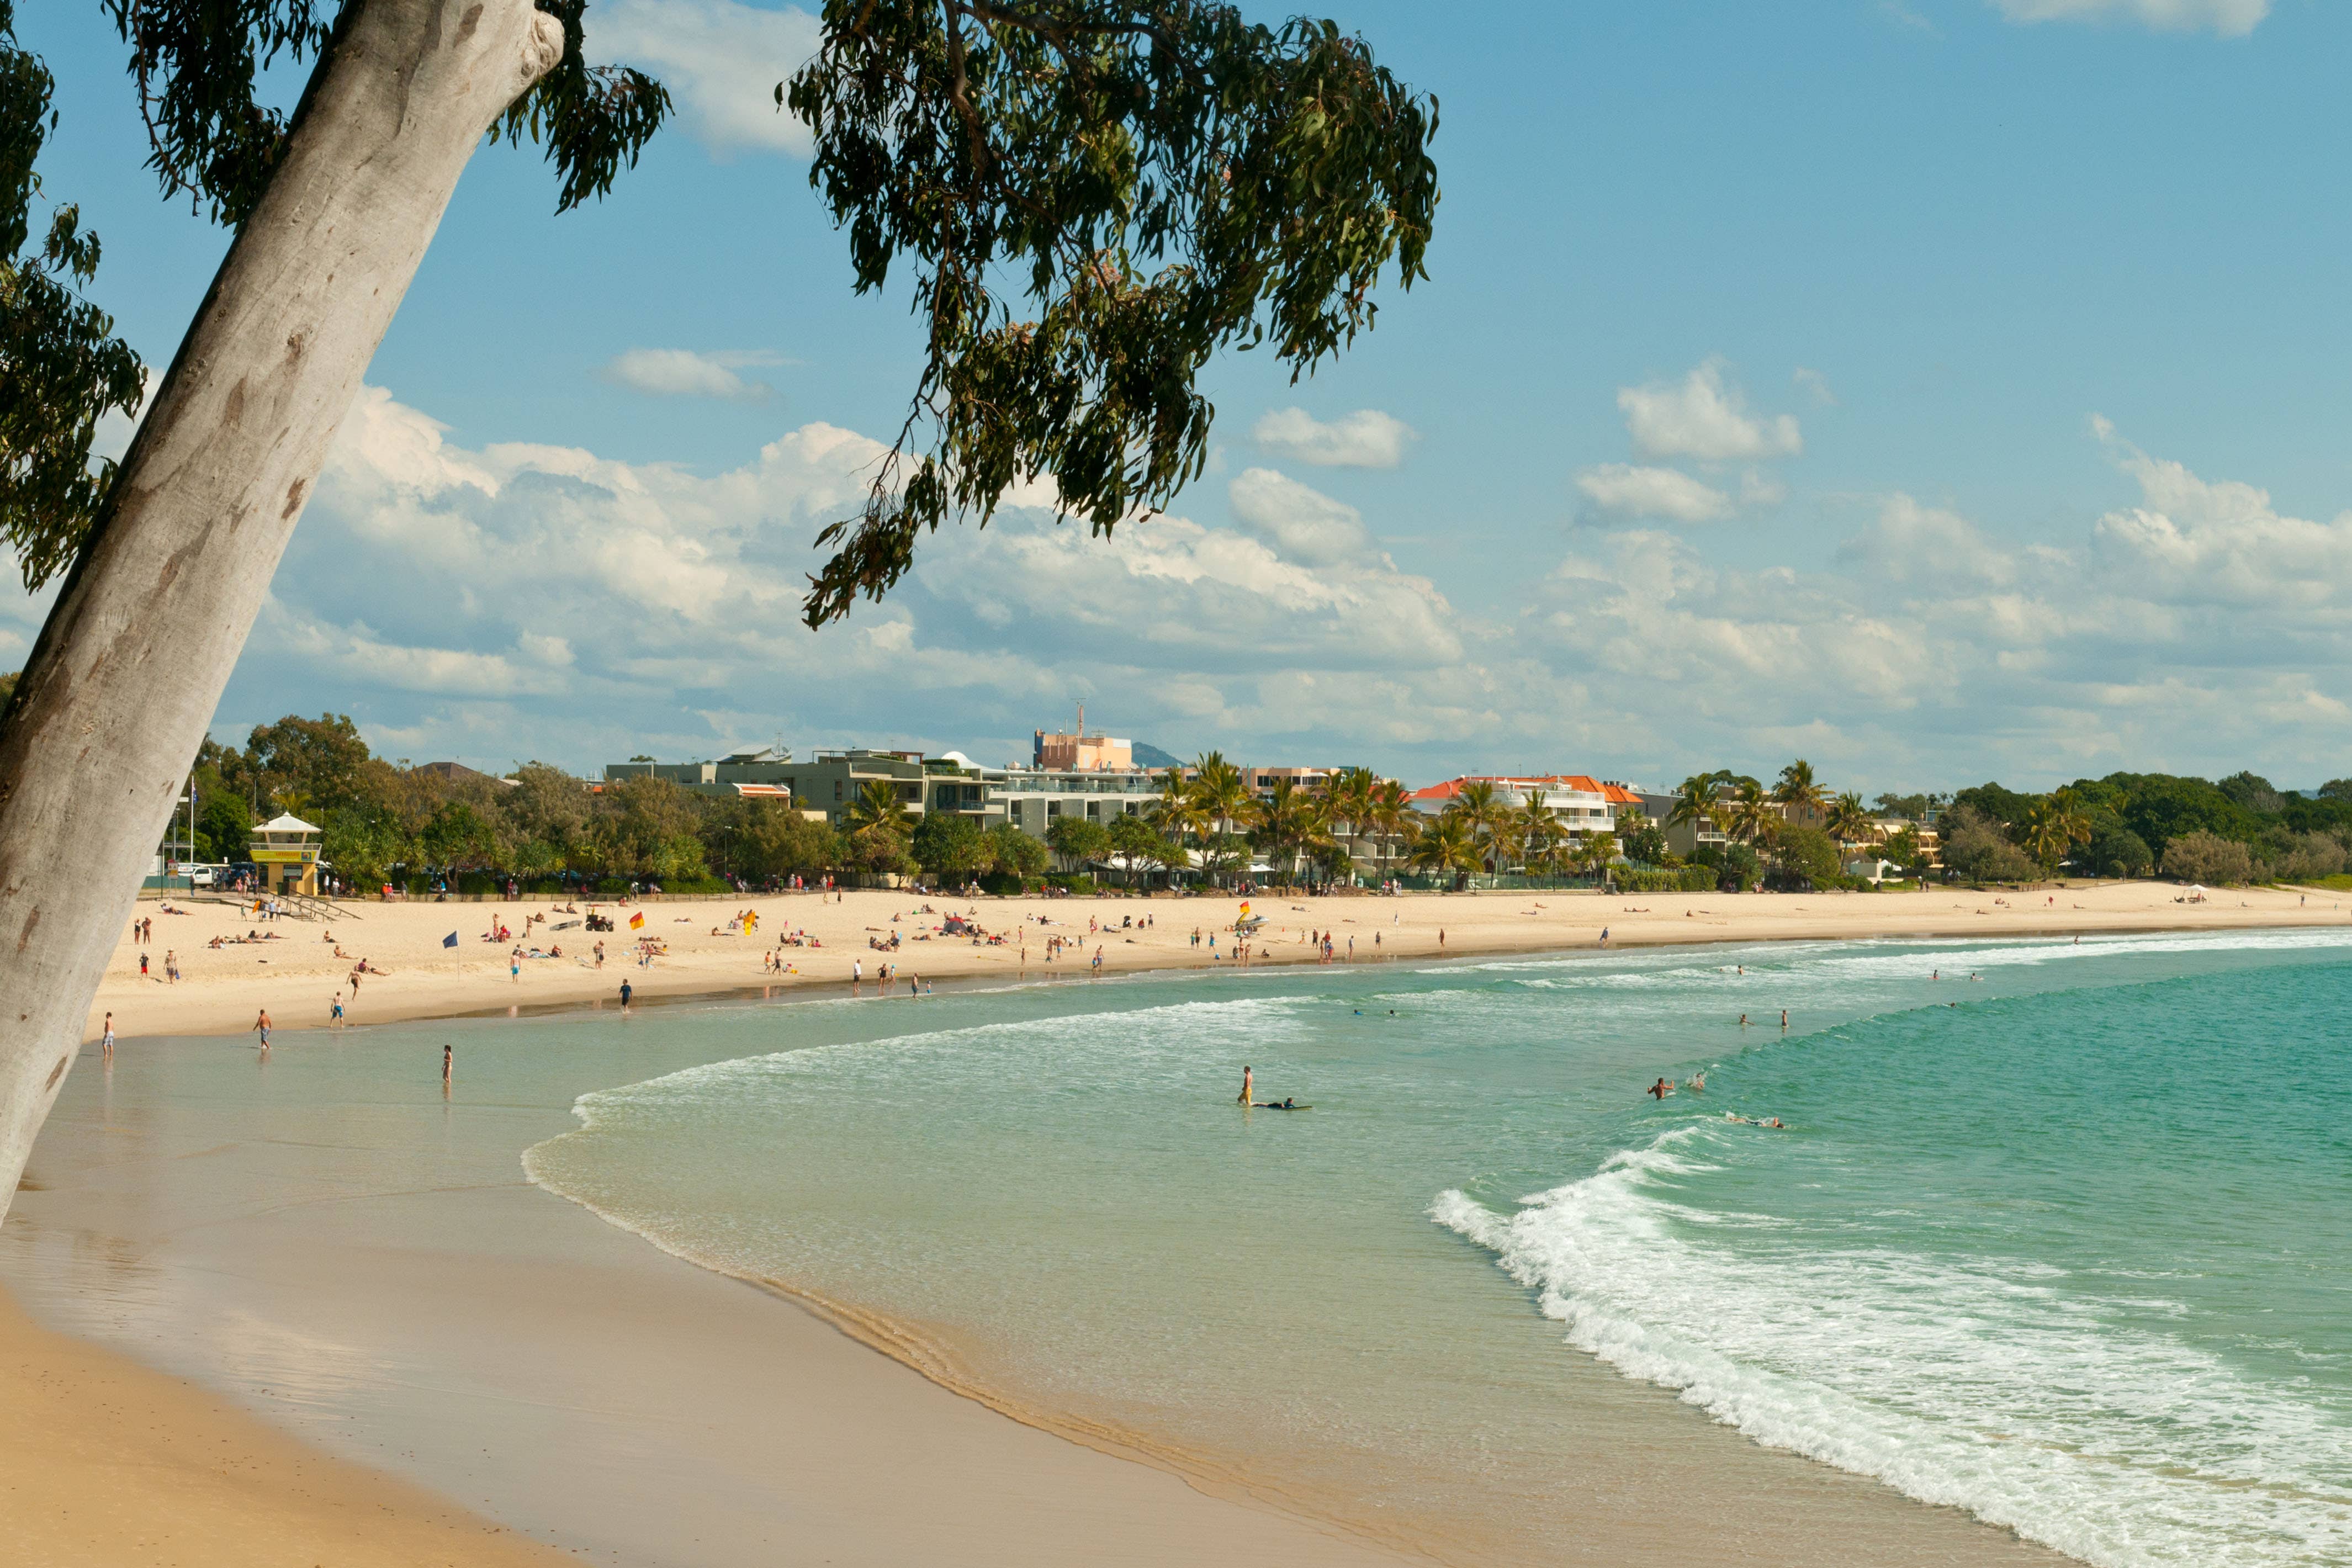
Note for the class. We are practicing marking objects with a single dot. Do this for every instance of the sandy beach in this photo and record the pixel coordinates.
(243, 1268)
(294, 969)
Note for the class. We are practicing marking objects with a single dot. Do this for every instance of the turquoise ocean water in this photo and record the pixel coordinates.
(2070, 1255)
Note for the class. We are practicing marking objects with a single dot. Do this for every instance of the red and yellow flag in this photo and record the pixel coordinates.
(637, 920)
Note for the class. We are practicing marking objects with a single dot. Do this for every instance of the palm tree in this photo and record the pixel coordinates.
(1850, 821)
(1394, 819)
(1696, 801)
(1487, 814)
(1177, 813)
(1349, 801)
(1598, 853)
(878, 806)
(1534, 828)
(1218, 790)
(1447, 845)
(1799, 792)
(1750, 814)
(1286, 821)
(2053, 826)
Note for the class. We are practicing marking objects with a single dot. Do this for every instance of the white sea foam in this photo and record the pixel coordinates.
(1989, 1387)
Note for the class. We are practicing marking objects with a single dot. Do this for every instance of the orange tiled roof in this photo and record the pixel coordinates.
(1453, 787)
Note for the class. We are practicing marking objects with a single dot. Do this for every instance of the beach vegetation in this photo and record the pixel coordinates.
(1644, 841)
(1077, 841)
(1978, 848)
(1736, 867)
(1140, 845)
(1805, 857)
(2115, 850)
(1014, 854)
(949, 846)
(2208, 859)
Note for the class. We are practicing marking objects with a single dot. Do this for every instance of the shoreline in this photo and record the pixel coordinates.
(222, 994)
(504, 1231)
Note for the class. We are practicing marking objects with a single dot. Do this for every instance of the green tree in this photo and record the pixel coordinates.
(2115, 850)
(1976, 849)
(2208, 858)
(2003, 808)
(1134, 837)
(947, 845)
(2053, 826)
(1799, 791)
(1013, 853)
(1904, 848)
(61, 366)
(1395, 824)
(1748, 814)
(1849, 821)
(1218, 792)
(1077, 841)
(362, 844)
(2252, 792)
(1159, 180)
(1644, 840)
(323, 760)
(460, 840)
(1447, 846)
(1808, 857)
(1482, 809)
(1286, 822)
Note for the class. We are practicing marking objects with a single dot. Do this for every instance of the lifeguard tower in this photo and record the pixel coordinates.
(286, 853)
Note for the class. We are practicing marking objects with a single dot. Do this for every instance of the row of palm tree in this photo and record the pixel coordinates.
(1742, 808)
(1358, 815)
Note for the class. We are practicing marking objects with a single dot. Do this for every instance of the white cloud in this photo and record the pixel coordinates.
(1702, 417)
(2229, 19)
(720, 60)
(510, 601)
(1303, 524)
(683, 373)
(1667, 493)
(1366, 438)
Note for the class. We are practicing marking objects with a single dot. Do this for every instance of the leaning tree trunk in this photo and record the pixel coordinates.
(123, 680)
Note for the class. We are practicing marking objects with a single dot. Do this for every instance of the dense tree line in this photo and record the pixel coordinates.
(385, 822)
(2240, 829)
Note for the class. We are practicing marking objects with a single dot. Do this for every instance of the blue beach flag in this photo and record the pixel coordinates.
(449, 941)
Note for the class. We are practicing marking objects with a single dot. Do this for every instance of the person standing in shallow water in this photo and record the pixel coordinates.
(1246, 1087)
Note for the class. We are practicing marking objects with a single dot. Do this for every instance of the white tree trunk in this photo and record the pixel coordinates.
(119, 690)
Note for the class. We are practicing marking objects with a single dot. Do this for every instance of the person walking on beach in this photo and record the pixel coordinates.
(514, 966)
(335, 1011)
(856, 974)
(142, 966)
(261, 1027)
(170, 966)
(1246, 1082)
(625, 995)
(106, 1040)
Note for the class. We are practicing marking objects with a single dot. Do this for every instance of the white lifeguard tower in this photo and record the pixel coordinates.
(285, 853)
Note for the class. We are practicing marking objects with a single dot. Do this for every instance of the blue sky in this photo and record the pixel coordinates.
(1937, 390)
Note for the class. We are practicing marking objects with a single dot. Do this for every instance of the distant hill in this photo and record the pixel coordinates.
(1153, 757)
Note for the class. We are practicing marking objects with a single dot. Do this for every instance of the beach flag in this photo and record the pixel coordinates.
(449, 941)
(637, 920)
(1244, 908)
